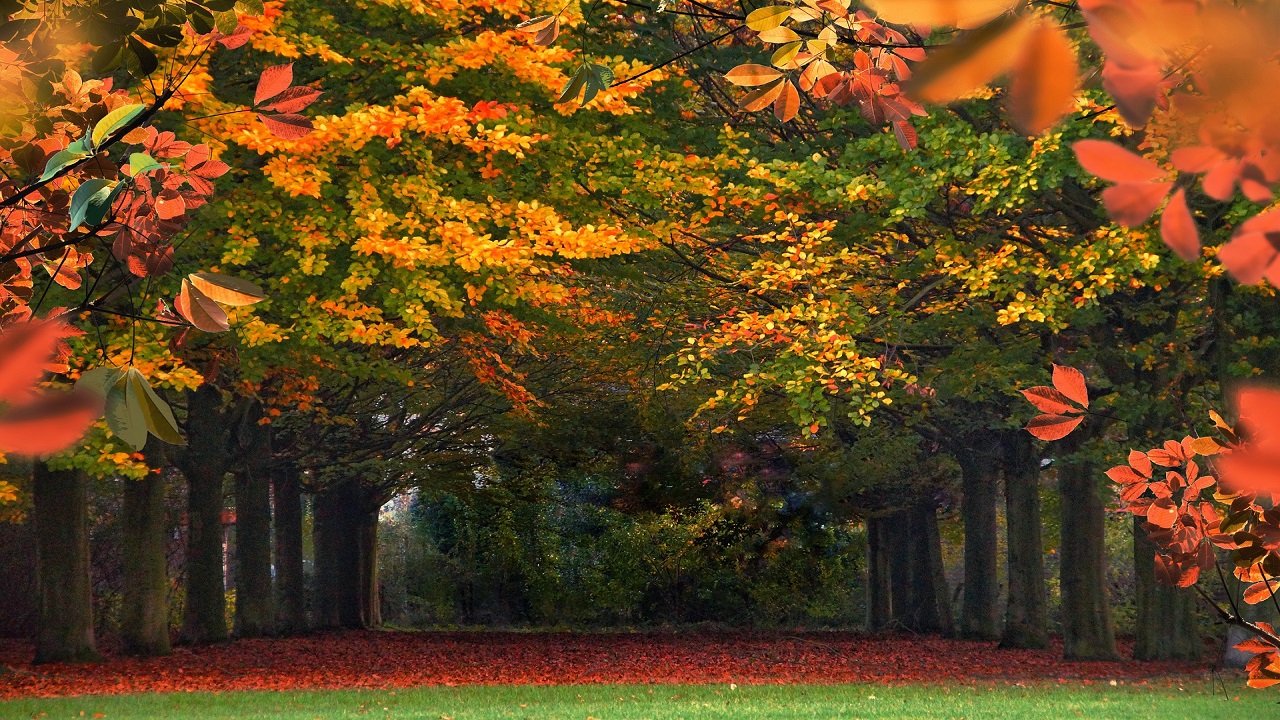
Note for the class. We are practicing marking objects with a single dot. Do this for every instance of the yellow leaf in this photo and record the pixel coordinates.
(752, 75)
(227, 290)
(768, 18)
(779, 35)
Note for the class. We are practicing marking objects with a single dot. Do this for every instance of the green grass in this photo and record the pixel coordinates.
(663, 702)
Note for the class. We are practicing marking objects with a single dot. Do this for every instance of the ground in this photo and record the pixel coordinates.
(617, 675)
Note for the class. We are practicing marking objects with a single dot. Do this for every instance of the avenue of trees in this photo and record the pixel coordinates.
(617, 343)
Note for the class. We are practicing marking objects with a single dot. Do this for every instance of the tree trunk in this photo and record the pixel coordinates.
(979, 615)
(291, 597)
(1026, 623)
(942, 592)
(144, 618)
(1087, 630)
(925, 614)
(901, 589)
(370, 593)
(255, 602)
(338, 556)
(879, 606)
(61, 499)
(1166, 625)
(204, 463)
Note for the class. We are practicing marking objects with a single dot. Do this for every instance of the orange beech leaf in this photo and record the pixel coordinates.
(1053, 427)
(1255, 645)
(25, 349)
(536, 24)
(967, 64)
(1135, 90)
(199, 309)
(1254, 251)
(1049, 400)
(761, 98)
(750, 75)
(1260, 592)
(1162, 513)
(1131, 205)
(1111, 162)
(787, 104)
(1256, 467)
(50, 423)
(1140, 462)
(1178, 228)
(1205, 446)
(1125, 475)
(906, 135)
(227, 290)
(287, 126)
(272, 82)
(1070, 382)
(1044, 81)
(293, 99)
(942, 13)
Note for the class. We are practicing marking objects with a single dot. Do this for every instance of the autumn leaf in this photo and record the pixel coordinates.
(1256, 466)
(287, 126)
(199, 310)
(1053, 427)
(1178, 228)
(940, 13)
(969, 63)
(752, 75)
(48, 424)
(272, 82)
(1044, 79)
(1070, 382)
(293, 99)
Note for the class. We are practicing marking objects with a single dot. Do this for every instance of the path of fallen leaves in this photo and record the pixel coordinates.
(399, 659)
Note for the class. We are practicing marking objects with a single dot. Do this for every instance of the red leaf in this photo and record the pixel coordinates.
(1048, 400)
(1162, 513)
(25, 348)
(272, 82)
(1255, 468)
(49, 424)
(1178, 228)
(1053, 427)
(1111, 162)
(1131, 205)
(1140, 462)
(288, 126)
(1135, 90)
(1070, 382)
(293, 99)
(1260, 592)
(1125, 475)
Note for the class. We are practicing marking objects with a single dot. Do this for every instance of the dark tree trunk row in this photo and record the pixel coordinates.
(144, 622)
(255, 601)
(338, 556)
(291, 616)
(907, 587)
(979, 618)
(1026, 619)
(1166, 625)
(879, 574)
(204, 463)
(1087, 631)
(64, 604)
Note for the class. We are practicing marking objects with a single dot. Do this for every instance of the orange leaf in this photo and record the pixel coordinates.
(787, 104)
(1044, 81)
(1070, 382)
(1162, 513)
(967, 64)
(25, 348)
(1111, 162)
(49, 424)
(1178, 228)
(272, 82)
(761, 98)
(1131, 205)
(1260, 592)
(943, 13)
(1053, 427)
(288, 126)
(1140, 462)
(199, 309)
(750, 75)
(1125, 475)
(1048, 400)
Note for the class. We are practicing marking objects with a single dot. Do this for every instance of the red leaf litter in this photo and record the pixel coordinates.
(405, 659)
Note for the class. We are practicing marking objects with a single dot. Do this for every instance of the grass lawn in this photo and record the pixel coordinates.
(655, 702)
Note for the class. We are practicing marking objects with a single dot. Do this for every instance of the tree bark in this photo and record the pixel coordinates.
(1087, 630)
(65, 604)
(1166, 625)
(370, 592)
(291, 597)
(879, 604)
(204, 463)
(144, 619)
(925, 615)
(1026, 623)
(338, 556)
(979, 616)
(255, 602)
(901, 589)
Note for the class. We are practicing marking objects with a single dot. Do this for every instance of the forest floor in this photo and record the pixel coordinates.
(391, 660)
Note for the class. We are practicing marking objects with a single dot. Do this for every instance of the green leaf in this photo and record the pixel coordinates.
(599, 78)
(61, 160)
(226, 22)
(140, 163)
(574, 86)
(113, 121)
(124, 414)
(250, 7)
(99, 380)
(159, 418)
(91, 201)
